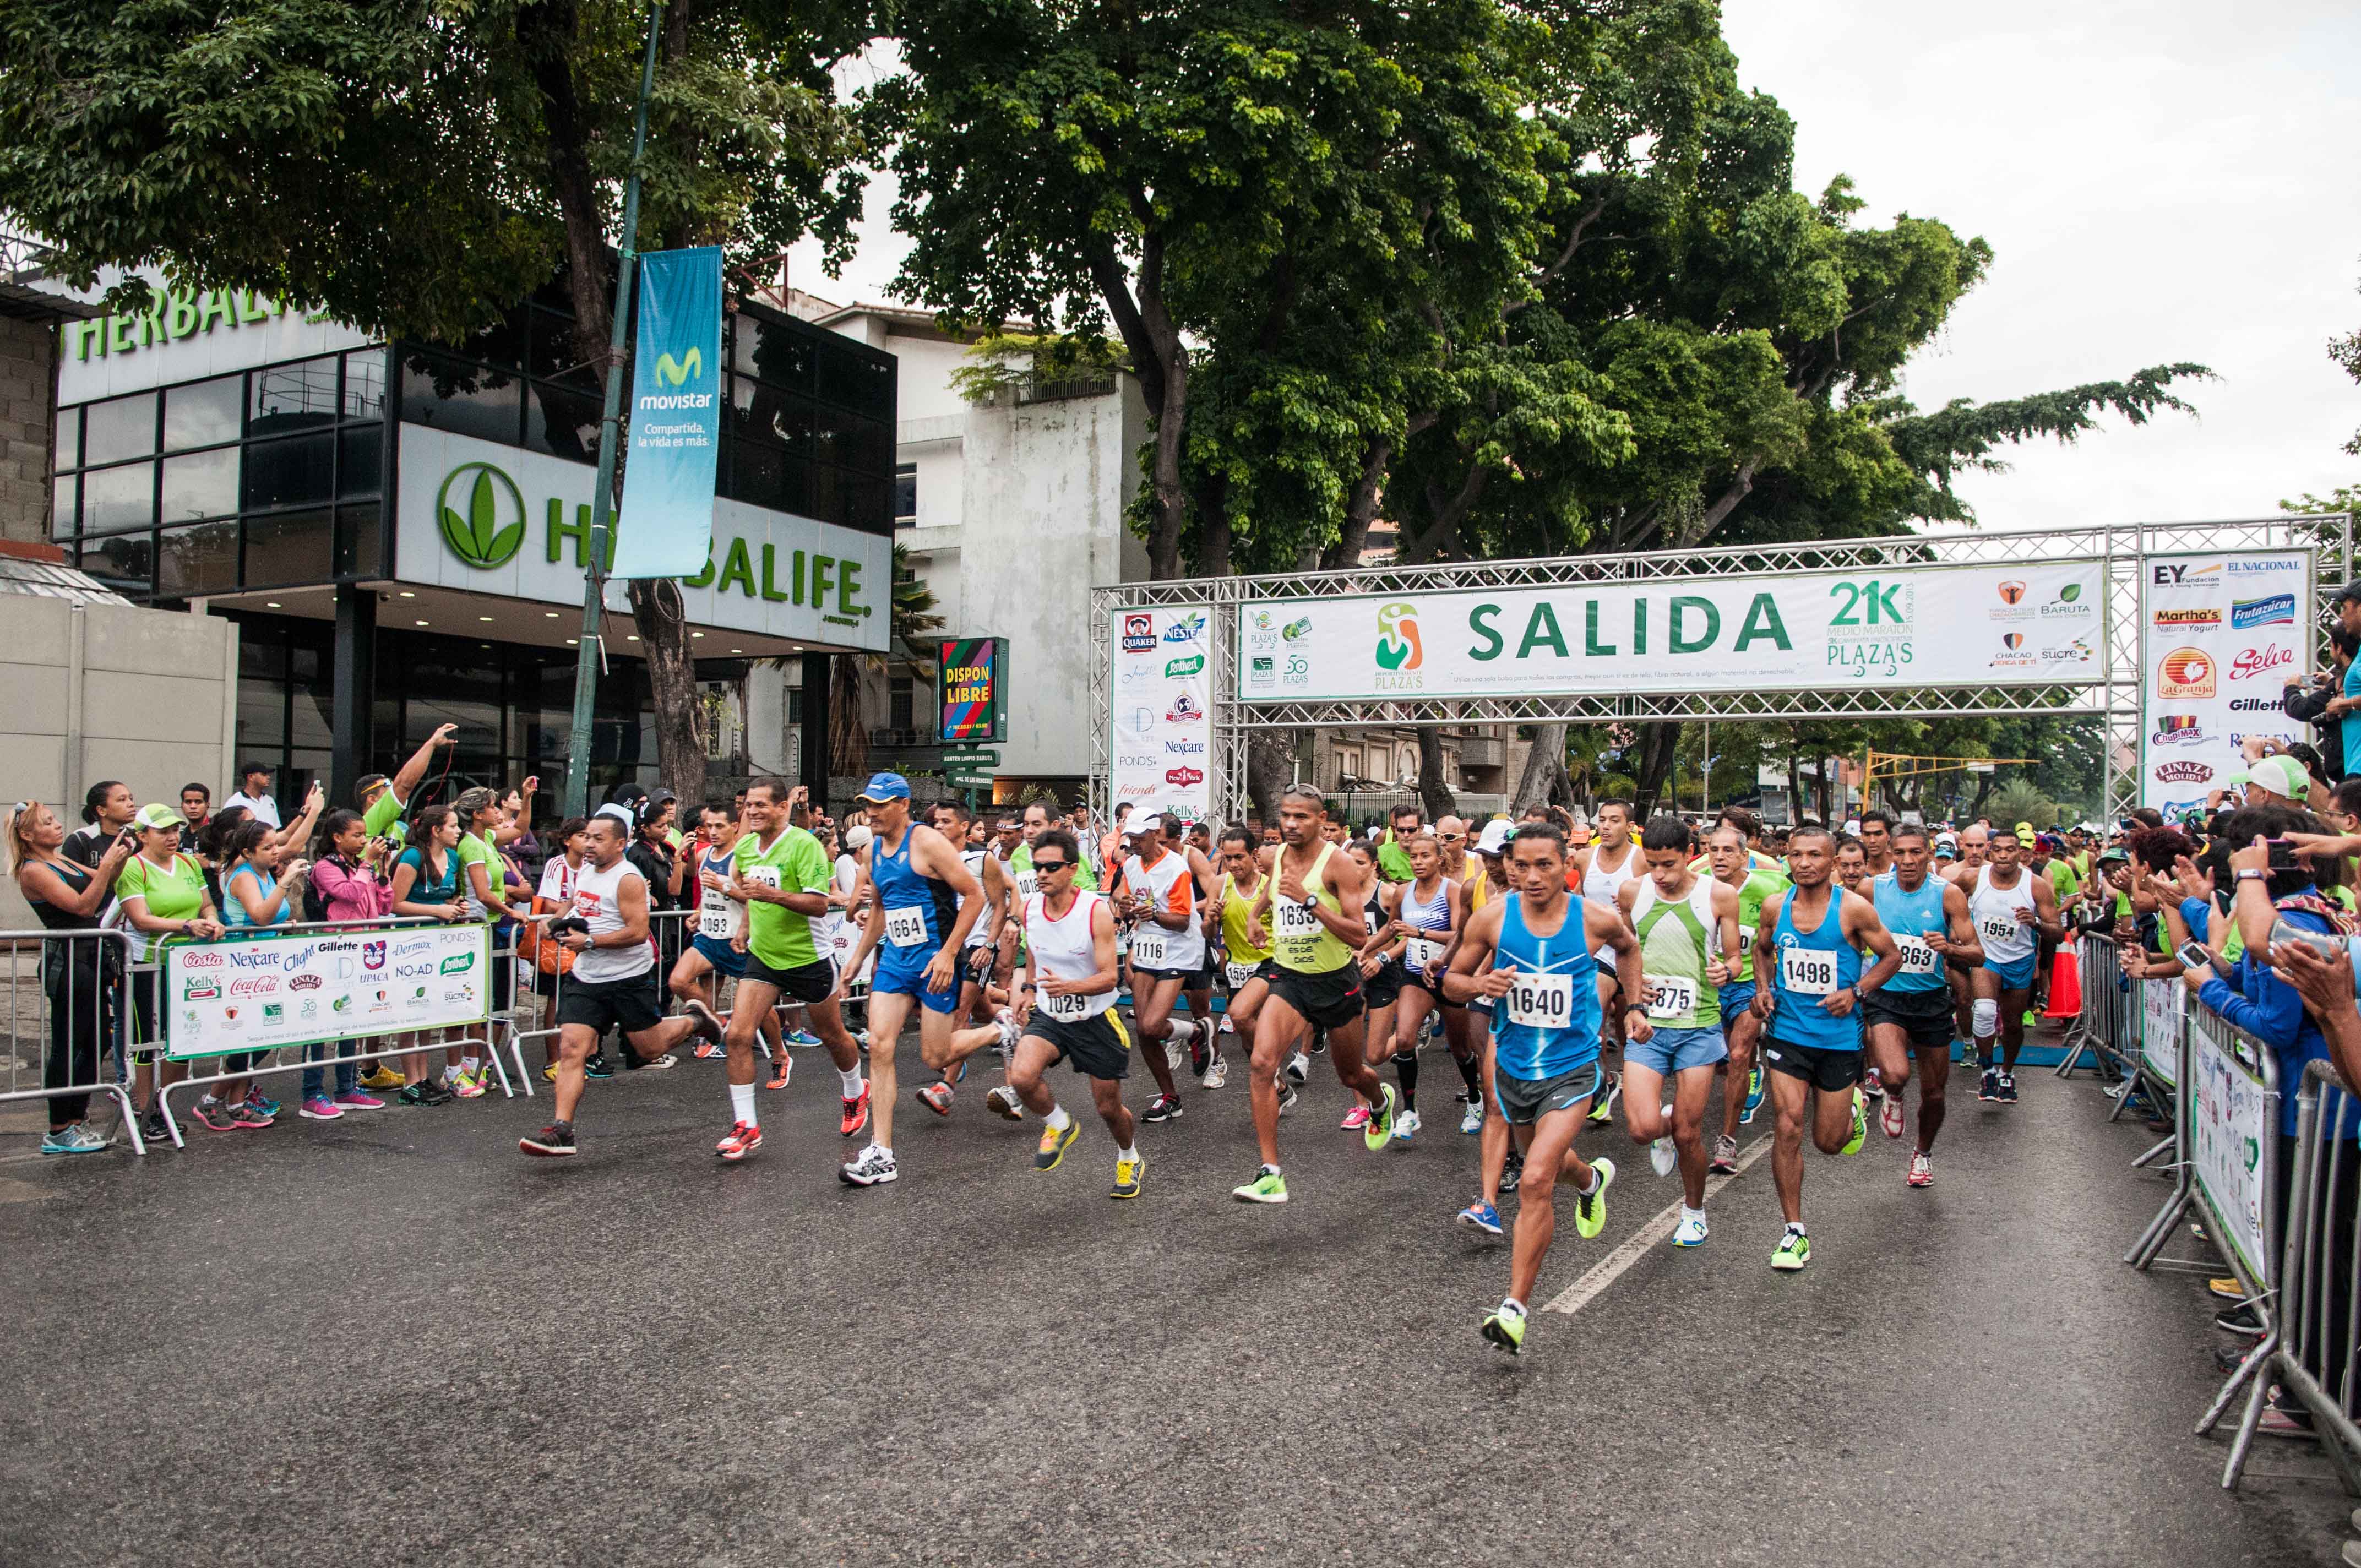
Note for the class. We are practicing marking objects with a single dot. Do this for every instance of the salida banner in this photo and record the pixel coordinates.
(1899, 627)
(1162, 728)
(263, 991)
(2224, 634)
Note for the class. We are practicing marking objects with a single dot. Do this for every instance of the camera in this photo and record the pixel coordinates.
(564, 923)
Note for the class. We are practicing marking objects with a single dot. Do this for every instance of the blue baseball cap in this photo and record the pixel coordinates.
(884, 787)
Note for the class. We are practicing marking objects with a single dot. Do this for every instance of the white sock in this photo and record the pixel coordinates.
(469, 1064)
(1795, 1227)
(852, 1077)
(1057, 1118)
(1689, 1214)
(1587, 1192)
(1508, 1301)
(881, 1149)
(742, 1104)
(1126, 1152)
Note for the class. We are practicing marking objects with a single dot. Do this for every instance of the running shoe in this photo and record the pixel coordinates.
(381, 1077)
(935, 1097)
(1506, 1328)
(1355, 1119)
(1725, 1157)
(1512, 1172)
(2032, 1019)
(597, 1065)
(1753, 1095)
(425, 1092)
(1664, 1158)
(744, 1140)
(1794, 1251)
(1406, 1127)
(1009, 1036)
(1176, 1045)
(1320, 1042)
(1873, 1084)
(1988, 1086)
(75, 1138)
(262, 1103)
(467, 1087)
(1602, 1111)
(708, 1023)
(856, 1113)
(1201, 1053)
(1471, 1120)
(1480, 1216)
(2007, 1095)
(213, 1116)
(1922, 1169)
(1055, 1142)
(1267, 1187)
(1286, 1097)
(660, 1063)
(1126, 1175)
(1299, 1068)
(1218, 1074)
(355, 1099)
(1690, 1232)
(781, 1071)
(706, 1050)
(801, 1037)
(2241, 1320)
(2227, 1285)
(1002, 1103)
(552, 1142)
(319, 1108)
(1381, 1130)
(1889, 1115)
(248, 1116)
(1590, 1208)
(1860, 1124)
(1163, 1108)
(871, 1167)
(154, 1128)
(548, 1075)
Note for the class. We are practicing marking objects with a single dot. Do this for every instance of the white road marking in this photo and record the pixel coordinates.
(1637, 1245)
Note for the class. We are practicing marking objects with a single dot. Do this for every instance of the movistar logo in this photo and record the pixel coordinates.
(673, 372)
(490, 531)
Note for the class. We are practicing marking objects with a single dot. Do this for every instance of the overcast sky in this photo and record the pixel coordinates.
(2161, 180)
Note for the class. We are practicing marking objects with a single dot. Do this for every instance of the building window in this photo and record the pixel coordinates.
(905, 495)
(904, 704)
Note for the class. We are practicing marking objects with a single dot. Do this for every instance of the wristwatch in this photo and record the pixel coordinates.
(2250, 874)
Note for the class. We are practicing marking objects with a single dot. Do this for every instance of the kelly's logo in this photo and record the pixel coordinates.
(1398, 642)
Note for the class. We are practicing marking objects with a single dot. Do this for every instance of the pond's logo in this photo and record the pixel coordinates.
(490, 531)
(1398, 644)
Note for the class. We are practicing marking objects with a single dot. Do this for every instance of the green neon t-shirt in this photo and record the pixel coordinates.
(1753, 894)
(792, 862)
(175, 894)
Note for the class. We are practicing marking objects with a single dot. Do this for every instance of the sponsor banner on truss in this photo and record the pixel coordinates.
(1162, 694)
(263, 991)
(2221, 636)
(1909, 627)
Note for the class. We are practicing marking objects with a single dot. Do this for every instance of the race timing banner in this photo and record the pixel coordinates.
(2222, 635)
(1887, 627)
(664, 526)
(1163, 727)
(265, 991)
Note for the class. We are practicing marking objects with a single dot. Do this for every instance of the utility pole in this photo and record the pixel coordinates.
(591, 651)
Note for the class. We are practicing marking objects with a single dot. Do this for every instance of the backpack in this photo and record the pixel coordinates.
(315, 903)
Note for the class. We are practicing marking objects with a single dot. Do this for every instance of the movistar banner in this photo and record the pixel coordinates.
(1896, 626)
(665, 524)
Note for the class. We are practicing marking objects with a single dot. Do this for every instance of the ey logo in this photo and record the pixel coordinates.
(1398, 644)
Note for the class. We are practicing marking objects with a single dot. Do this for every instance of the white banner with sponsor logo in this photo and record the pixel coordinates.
(1163, 729)
(2228, 1122)
(1892, 626)
(263, 991)
(2222, 635)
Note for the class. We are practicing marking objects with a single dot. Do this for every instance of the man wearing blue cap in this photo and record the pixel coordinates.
(924, 901)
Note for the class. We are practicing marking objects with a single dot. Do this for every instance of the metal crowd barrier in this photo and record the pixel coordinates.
(2103, 1028)
(66, 1006)
(2312, 1345)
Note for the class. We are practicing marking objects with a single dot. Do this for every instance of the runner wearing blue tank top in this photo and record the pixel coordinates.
(923, 902)
(1810, 941)
(1912, 1015)
(1531, 953)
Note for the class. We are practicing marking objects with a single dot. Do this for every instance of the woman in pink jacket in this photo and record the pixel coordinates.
(350, 886)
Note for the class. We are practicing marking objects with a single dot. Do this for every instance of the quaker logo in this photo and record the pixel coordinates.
(305, 983)
(2171, 574)
(2177, 729)
(2257, 705)
(2184, 773)
(1185, 777)
(2185, 673)
(2277, 610)
(2011, 593)
(1192, 666)
(190, 960)
(1184, 748)
(262, 958)
(372, 955)
(458, 963)
(2252, 661)
(1185, 711)
(253, 985)
(1188, 629)
(1140, 634)
(2189, 618)
(201, 990)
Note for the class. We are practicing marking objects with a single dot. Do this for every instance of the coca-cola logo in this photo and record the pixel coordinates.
(2252, 661)
(253, 985)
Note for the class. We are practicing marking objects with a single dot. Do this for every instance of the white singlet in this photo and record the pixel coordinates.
(1994, 911)
(1064, 949)
(1605, 888)
(598, 900)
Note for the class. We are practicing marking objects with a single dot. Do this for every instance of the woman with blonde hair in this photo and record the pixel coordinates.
(76, 975)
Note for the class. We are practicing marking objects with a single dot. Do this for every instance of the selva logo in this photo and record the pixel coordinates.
(2252, 661)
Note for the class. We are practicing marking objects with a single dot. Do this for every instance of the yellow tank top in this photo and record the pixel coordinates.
(1299, 939)
(1477, 886)
(1236, 907)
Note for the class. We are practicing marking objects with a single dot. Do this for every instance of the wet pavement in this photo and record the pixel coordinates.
(394, 1338)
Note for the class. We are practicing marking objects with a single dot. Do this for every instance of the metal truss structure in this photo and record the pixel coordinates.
(2116, 697)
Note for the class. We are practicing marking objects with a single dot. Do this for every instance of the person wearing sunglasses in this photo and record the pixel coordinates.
(1064, 1007)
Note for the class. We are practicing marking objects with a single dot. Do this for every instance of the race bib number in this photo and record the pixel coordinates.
(906, 926)
(1066, 1008)
(1918, 958)
(1669, 996)
(717, 918)
(1298, 920)
(1238, 974)
(1420, 952)
(1808, 972)
(1541, 1000)
(1028, 883)
(1745, 940)
(2003, 932)
(1147, 944)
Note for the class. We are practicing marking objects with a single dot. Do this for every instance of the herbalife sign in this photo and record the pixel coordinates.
(1904, 627)
(483, 518)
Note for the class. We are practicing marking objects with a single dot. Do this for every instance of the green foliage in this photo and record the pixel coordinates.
(2343, 498)
(2019, 801)
(999, 361)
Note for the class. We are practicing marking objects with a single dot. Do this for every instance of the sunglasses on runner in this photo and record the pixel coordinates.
(1046, 866)
(1451, 838)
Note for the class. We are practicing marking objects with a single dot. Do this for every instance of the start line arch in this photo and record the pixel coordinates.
(1923, 626)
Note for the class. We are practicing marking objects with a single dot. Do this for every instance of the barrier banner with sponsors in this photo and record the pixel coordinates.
(2161, 1002)
(1163, 726)
(1901, 627)
(265, 991)
(2224, 635)
(2227, 1127)
(664, 526)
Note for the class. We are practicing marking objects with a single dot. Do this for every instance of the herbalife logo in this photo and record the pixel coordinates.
(489, 532)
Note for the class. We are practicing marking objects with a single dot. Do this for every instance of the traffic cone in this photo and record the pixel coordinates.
(2065, 985)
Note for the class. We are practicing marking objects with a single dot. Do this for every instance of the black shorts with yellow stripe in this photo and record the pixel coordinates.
(1098, 1046)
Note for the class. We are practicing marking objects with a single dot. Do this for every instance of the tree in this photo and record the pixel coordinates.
(913, 624)
(417, 171)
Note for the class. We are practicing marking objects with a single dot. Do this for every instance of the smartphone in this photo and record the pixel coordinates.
(2319, 942)
(2194, 955)
(2282, 854)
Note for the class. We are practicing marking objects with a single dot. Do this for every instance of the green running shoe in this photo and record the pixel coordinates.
(1379, 1131)
(1794, 1251)
(1506, 1328)
(1267, 1187)
(1860, 1124)
(1590, 1210)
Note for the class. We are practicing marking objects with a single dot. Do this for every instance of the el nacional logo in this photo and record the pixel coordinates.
(1400, 650)
(488, 534)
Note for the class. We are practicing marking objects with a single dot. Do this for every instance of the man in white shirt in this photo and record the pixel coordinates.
(254, 793)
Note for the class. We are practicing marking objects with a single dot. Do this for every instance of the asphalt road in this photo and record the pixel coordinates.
(394, 1338)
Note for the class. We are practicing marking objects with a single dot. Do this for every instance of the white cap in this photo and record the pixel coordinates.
(1494, 839)
(856, 838)
(1140, 826)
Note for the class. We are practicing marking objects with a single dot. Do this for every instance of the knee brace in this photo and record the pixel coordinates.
(1987, 1017)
